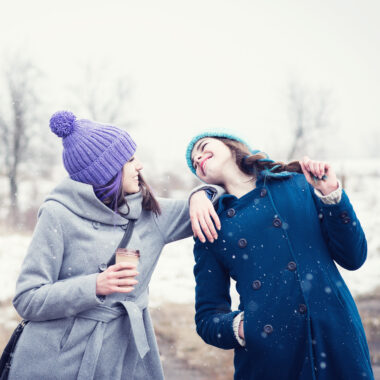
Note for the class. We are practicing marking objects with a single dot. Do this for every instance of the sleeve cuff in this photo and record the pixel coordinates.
(235, 325)
(330, 199)
(213, 192)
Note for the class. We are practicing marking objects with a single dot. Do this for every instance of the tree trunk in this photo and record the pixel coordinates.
(14, 212)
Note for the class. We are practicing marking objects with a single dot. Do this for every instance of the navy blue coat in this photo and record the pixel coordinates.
(280, 244)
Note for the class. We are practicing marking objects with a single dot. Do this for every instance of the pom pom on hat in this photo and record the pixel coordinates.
(94, 152)
(62, 123)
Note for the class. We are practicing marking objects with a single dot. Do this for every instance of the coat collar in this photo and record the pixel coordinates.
(80, 199)
(262, 181)
(132, 207)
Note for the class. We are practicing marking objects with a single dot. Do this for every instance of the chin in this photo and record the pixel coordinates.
(211, 180)
(133, 190)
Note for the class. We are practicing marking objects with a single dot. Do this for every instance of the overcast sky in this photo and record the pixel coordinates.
(198, 64)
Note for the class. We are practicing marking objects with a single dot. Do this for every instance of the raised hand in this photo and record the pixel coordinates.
(320, 175)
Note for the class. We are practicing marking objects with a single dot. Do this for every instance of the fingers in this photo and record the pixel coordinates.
(122, 281)
(205, 228)
(203, 225)
(211, 228)
(203, 217)
(316, 170)
(125, 273)
(126, 282)
(121, 289)
(111, 281)
(123, 265)
(306, 172)
(197, 229)
(215, 216)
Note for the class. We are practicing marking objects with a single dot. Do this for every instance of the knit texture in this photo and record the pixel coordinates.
(93, 153)
(265, 172)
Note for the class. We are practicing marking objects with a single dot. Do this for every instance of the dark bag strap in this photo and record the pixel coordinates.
(6, 357)
(124, 241)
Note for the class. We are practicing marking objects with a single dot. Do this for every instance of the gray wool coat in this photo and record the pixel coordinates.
(73, 333)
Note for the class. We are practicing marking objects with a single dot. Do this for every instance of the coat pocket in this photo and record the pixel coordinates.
(67, 333)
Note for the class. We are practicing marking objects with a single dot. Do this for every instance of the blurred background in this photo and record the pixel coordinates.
(291, 77)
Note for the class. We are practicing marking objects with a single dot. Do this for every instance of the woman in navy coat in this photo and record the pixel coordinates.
(282, 235)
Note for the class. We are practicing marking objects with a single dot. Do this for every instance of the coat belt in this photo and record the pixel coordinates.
(104, 314)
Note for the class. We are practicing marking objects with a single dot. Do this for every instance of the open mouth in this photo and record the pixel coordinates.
(203, 163)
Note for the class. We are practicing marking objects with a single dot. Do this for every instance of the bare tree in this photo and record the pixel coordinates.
(17, 118)
(104, 94)
(309, 113)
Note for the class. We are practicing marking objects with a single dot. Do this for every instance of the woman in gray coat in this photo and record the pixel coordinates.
(88, 321)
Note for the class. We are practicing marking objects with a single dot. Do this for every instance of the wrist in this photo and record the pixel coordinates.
(238, 327)
(332, 197)
(329, 189)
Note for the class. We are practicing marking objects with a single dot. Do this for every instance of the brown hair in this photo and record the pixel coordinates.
(113, 195)
(149, 202)
(249, 163)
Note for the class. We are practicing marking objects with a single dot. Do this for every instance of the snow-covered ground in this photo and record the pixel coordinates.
(173, 279)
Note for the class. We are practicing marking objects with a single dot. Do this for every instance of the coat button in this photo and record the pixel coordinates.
(268, 329)
(102, 267)
(231, 212)
(256, 284)
(344, 214)
(292, 266)
(263, 192)
(302, 308)
(96, 225)
(277, 222)
(346, 220)
(242, 243)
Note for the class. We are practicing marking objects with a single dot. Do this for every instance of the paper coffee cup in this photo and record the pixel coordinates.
(125, 255)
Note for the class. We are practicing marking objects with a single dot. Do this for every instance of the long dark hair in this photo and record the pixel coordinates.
(113, 195)
(250, 163)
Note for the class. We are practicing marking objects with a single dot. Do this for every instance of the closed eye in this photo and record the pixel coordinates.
(202, 147)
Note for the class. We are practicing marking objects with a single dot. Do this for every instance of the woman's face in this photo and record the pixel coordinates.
(209, 157)
(131, 172)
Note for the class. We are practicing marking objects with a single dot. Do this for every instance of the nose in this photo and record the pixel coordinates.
(139, 165)
(198, 158)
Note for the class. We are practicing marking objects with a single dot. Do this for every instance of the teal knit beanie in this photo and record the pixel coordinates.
(265, 172)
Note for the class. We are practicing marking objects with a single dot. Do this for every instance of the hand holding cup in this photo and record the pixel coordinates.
(118, 278)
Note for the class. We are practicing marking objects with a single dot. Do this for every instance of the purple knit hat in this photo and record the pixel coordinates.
(93, 153)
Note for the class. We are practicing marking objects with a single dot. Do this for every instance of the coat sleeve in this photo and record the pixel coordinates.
(40, 294)
(213, 315)
(174, 221)
(342, 231)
